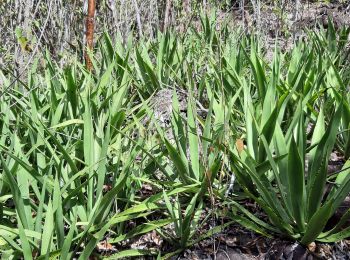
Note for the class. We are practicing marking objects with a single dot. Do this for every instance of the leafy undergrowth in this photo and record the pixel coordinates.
(169, 142)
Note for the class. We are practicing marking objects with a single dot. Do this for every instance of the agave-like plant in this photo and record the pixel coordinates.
(68, 163)
(285, 173)
(337, 78)
(73, 171)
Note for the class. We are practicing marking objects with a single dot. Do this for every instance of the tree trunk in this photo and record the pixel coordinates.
(89, 33)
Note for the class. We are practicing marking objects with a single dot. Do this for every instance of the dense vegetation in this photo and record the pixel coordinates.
(92, 157)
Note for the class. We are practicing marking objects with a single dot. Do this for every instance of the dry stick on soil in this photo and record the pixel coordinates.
(89, 33)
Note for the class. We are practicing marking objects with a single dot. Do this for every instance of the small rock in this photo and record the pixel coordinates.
(312, 247)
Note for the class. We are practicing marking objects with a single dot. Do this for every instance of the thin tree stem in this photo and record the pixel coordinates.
(90, 33)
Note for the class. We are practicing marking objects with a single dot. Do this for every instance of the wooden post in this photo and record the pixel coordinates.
(90, 21)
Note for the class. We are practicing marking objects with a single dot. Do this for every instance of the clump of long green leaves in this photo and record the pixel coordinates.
(284, 168)
(293, 198)
(73, 169)
(71, 174)
(336, 54)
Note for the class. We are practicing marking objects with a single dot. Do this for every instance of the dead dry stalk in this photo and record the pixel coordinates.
(166, 15)
(90, 33)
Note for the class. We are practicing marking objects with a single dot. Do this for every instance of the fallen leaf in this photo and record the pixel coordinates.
(105, 246)
(239, 145)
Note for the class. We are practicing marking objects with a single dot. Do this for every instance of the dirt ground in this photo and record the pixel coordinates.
(289, 26)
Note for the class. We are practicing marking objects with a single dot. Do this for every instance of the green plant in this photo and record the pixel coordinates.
(289, 185)
(186, 223)
(335, 55)
(85, 162)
